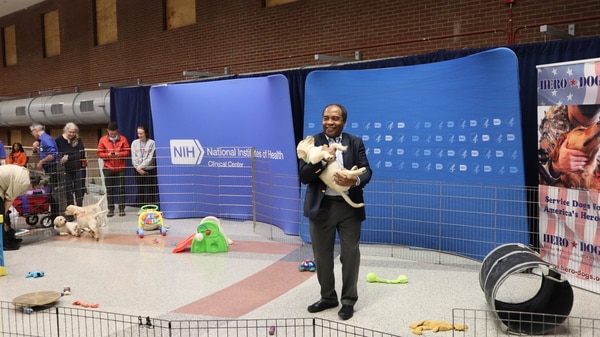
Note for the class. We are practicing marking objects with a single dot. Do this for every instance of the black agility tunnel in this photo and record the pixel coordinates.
(543, 312)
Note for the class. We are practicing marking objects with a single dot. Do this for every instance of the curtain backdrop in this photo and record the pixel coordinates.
(130, 107)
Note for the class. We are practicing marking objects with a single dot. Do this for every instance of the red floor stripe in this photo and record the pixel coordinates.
(250, 293)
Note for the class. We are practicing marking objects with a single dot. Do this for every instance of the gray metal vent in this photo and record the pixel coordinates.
(86, 106)
(20, 111)
(57, 109)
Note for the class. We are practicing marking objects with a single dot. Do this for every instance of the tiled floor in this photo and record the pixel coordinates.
(257, 278)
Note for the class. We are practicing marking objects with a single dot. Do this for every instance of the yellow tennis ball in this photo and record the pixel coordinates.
(402, 279)
(371, 277)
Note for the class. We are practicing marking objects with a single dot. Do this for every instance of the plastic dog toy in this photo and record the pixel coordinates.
(35, 274)
(307, 265)
(435, 326)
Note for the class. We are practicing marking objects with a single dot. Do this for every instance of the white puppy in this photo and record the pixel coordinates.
(89, 209)
(64, 227)
(90, 221)
(310, 153)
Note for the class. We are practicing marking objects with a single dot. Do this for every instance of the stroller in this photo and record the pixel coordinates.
(34, 205)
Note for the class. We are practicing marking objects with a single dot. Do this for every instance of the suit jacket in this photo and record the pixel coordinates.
(309, 174)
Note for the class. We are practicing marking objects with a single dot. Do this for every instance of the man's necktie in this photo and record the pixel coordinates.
(339, 158)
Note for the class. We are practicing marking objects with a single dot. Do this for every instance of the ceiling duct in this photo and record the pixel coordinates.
(90, 107)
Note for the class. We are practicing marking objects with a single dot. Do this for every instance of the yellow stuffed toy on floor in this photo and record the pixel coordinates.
(435, 326)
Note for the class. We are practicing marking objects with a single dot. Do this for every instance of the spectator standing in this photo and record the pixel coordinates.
(143, 158)
(17, 156)
(45, 145)
(113, 149)
(71, 152)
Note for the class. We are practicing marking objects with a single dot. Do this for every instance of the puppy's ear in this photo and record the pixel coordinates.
(559, 142)
(301, 153)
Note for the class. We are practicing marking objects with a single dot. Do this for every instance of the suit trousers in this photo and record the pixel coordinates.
(335, 216)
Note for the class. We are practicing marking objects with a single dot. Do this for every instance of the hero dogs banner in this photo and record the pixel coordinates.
(206, 134)
(455, 122)
(569, 217)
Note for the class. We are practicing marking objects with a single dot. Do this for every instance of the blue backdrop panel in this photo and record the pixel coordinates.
(456, 122)
(205, 132)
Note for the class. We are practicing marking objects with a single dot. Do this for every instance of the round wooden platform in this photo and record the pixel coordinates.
(37, 298)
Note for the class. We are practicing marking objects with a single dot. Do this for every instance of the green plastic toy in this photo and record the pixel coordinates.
(209, 239)
(402, 279)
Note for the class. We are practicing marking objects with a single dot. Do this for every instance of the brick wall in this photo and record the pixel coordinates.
(245, 37)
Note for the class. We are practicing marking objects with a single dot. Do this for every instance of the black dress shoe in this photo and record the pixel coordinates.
(11, 246)
(346, 312)
(321, 305)
(10, 236)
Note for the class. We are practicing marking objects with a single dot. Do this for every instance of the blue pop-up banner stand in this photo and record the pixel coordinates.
(455, 122)
(206, 134)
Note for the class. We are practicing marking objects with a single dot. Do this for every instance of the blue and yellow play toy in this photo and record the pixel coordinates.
(150, 219)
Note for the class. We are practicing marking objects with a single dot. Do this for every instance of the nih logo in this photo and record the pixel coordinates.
(186, 152)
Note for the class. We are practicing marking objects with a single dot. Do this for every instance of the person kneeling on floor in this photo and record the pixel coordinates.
(15, 181)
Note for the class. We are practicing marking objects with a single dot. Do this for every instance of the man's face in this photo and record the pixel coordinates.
(35, 133)
(333, 124)
(578, 119)
(113, 133)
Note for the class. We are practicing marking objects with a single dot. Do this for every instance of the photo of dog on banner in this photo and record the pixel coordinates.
(569, 146)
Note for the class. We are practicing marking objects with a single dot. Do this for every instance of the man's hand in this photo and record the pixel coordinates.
(342, 180)
(569, 160)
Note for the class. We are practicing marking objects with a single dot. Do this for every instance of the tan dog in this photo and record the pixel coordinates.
(74, 210)
(90, 221)
(310, 153)
(584, 139)
(64, 227)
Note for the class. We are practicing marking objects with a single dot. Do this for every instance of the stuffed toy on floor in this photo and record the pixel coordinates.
(307, 265)
(435, 326)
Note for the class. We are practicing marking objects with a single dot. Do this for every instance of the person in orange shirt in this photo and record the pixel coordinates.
(17, 156)
(114, 149)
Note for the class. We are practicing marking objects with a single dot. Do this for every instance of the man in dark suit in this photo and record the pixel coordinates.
(328, 213)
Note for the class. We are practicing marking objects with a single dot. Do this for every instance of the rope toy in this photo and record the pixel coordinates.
(402, 279)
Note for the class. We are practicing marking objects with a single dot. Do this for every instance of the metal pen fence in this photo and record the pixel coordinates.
(75, 322)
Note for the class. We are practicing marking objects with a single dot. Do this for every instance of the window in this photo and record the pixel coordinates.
(10, 46)
(180, 13)
(51, 34)
(106, 22)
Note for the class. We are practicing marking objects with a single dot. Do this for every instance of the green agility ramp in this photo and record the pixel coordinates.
(213, 241)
